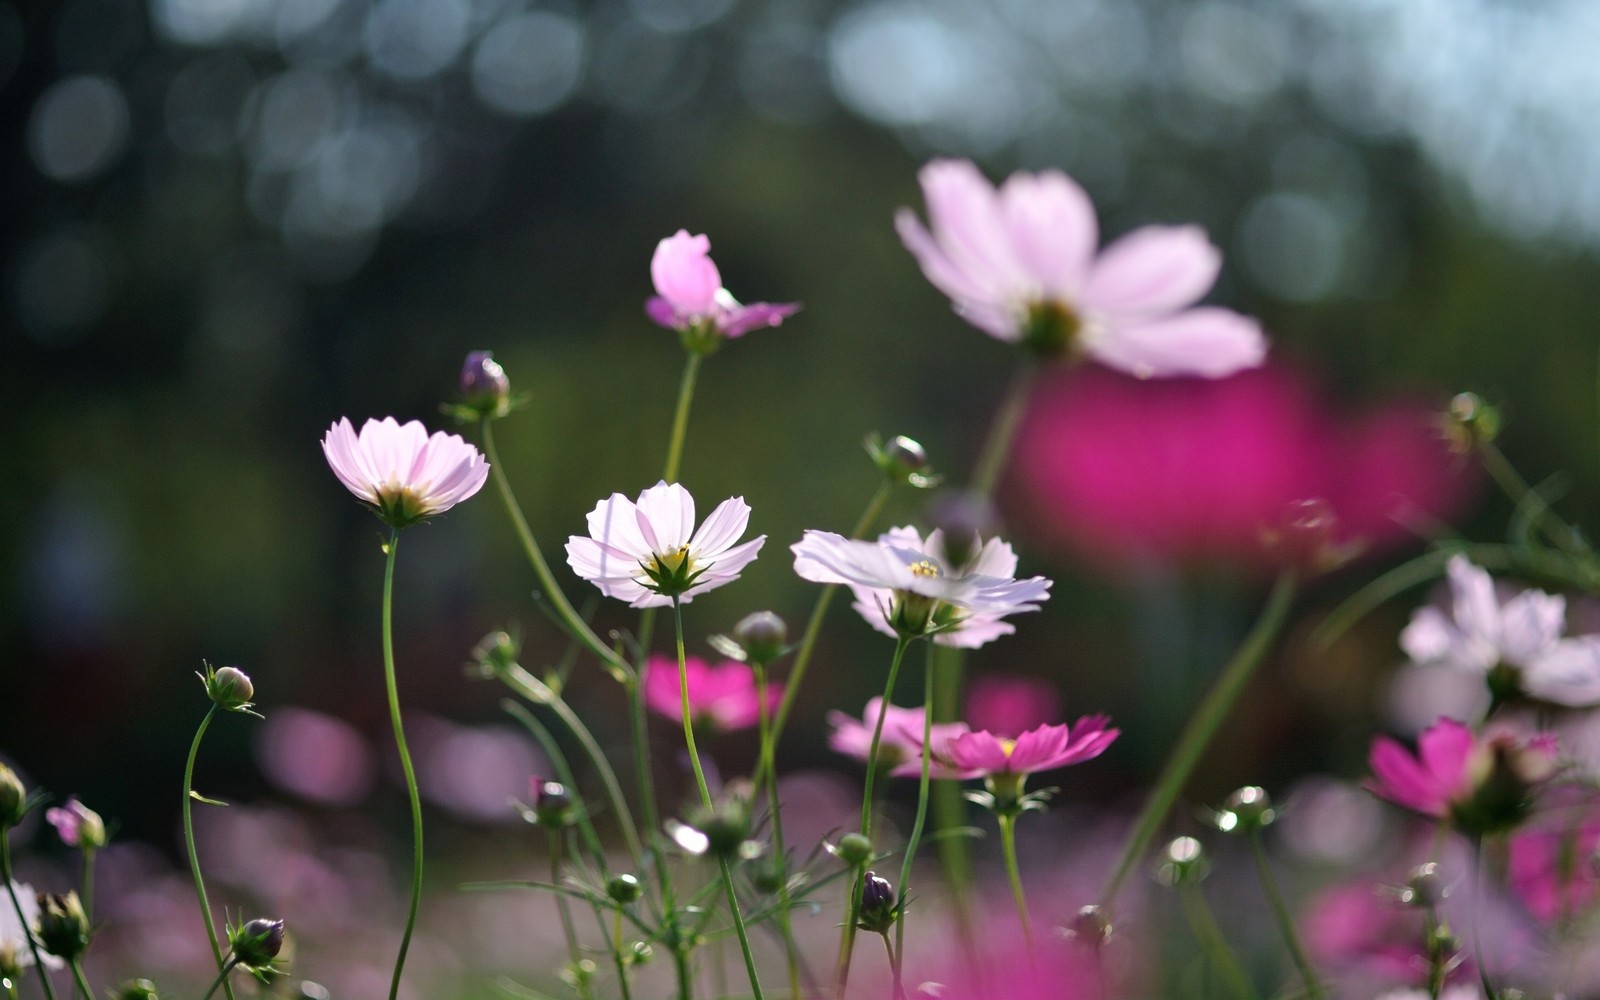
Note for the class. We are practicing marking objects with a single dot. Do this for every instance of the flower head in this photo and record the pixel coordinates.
(78, 825)
(14, 951)
(649, 552)
(983, 754)
(906, 586)
(900, 746)
(402, 471)
(1020, 264)
(1483, 783)
(690, 297)
(1516, 645)
(723, 695)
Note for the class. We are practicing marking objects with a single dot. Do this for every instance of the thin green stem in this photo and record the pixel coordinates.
(222, 978)
(1213, 943)
(22, 921)
(578, 628)
(79, 978)
(1008, 848)
(393, 690)
(1202, 726)
(616, 950)
(194, 857)
(1480, 897)
(680, 417)
(1280, 913)
(567, 928)
(1521, 493)
(853, 890)
(896, 972)
(88, 885)
(739, 928)
(808, 642)
(997, 447)
(688, 716)
(780, 854)
(926, 775)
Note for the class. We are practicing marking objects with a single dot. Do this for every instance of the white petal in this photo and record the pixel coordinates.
(1208, 341)
(615, 521)
(1053, 230)
(1567, 674)
(666, 516)
(721, 529)
(1152, 271)
(1531, 623)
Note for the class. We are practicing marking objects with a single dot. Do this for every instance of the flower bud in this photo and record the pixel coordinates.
(1183, 862)
(485, 389)
(877, 910)
(855, 849)
(1424, 888)
(495, 653)
(13, 798)
(63, 928)
(258, 942)
(78, 825)
(624, 889)
(964, 518)
(726, 826)
(901, 460)
(137, 989)
(229, 688)
(1091, 926)
(1305, 537)
(769, 875)
(762, 635)
(1245, 811)
(552, 805)
(1505, 772)
(1470, 422)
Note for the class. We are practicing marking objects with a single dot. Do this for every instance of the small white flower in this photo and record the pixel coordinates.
(649, 551)
(1523, 635)
(13, 942)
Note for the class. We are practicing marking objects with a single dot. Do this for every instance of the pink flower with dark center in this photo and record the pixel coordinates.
(1020, 264)
(1482, 783)
(900, 746)
(983, 754)
(689, 292)
(723, 696)
(402, 471)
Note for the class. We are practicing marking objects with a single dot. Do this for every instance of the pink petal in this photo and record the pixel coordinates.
(937, 267)
(721, 529)
(1152, 271)
(965, 213)
(1207, 341)
(1402, 780)
(666, 516)
(662, 313)
(1444, 749)
(1053, 230)
(740, 321)
(684, 274)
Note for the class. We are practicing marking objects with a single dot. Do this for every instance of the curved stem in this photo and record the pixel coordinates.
(1201, 727)
(922, 801)
(1280, 912)
(222, 978)
(767, 769)
(567, 929)
(680, 417)
(1521, 493)
(22, 921)
(739, 928)
(78, 977)
(997, 447)
(688, 717)
(194, 857)
(405, 762)
(853, 890)
(578, 628)
(1008, 847)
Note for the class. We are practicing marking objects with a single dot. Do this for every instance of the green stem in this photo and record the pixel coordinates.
(853, 890)
(997, 447)
(1213, 943)
(222, 978)
(1280, 912)
(688, 717)
(1477, 906)
(739, 928)
(680, 417)
(78, 977)
(405, 762)
(194, 857)
(1521, 493)
(780, 854)
(1201, 728)
(22, 921)
(616, 951)
(88, 885)
(579, 629)
(926, 775)
(808, 642)
(896, 971)
(567, 929)
(1008, 848)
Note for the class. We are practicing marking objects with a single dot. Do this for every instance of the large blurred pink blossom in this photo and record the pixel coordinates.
(1007, 705)
(1550, 862)
(1193, 470)
(689, 291)
(1020, 264)
(401, 470)
(723, 695)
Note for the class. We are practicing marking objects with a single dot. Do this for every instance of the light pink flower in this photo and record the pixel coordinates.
(646, 552)
(689, 291)
(982, 754)
(723, 695)
(1522, 634)
(904, 586)
(402, 471)
(1444, 777)
(77, 824)
(1019, 263)
(900, 746)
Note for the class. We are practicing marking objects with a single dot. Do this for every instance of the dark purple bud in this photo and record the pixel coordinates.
(552, 804)
(877, 911)
(63, 928)
(483, 381)
(258, 942)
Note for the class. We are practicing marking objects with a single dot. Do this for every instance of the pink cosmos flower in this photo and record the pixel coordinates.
(1191, 471)
(904, 586)
(1007, 706)
(900, 747)
(689, 291)
(648, 552)
(723, 695)
(1360, 929)
(1548, 864)
(1019, 263)
(77, 824)
(1481, 782)
(402, 471)
(1522, 635)
(983, 754)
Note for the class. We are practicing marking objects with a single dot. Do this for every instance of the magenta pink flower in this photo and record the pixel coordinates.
(900, 747)
(1020, 264)
(1191, 471)
(77, 825)
(1482, 783)
(402, 471)
(1549, 862)
(1007, 706)
(983, 754)
(723, 695)
(689, 292)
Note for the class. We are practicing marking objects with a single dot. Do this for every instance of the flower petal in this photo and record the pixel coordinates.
(684, 274)
(1053, 230)
(1152, 271)
(1207, 341)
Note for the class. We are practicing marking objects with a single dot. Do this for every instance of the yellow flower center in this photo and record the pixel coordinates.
(672, 562)
(1006, 746)
(923, 567)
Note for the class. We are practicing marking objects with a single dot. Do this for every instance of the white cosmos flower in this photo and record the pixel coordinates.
(905, 586)
(401, 470)
(1521, 637)
(647, 551)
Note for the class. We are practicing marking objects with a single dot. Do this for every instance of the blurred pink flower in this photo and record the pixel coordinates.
(900, 746)
(77, 824)
(982, 754)
(689, 291)
(1002, 967)
(1481, 782)
(723, 695)
(1550, 866)
(402, 471)
(1193, 470)
(1019, 263)
(1363, 927)
(1007, 705)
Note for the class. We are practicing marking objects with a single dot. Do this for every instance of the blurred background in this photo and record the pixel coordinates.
(230, 222)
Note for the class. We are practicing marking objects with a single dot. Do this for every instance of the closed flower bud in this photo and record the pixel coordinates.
(13, 798)
(1090, 927)
(1424, 888)
(63, 928)
(495, 653)
(624, 889)
(901, 460)
(769, 875)
(761, 635)
(258, 942)
(1305, 537)
(137, 989)
(1471, 422)
(726, 826)
(229, 688)
(1183, 862)
(878, 908)
(1246, 811)
(78, 825)
(483, 381)
(552, 805)
(964, 518)
(1505, 771)
(855, 848)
